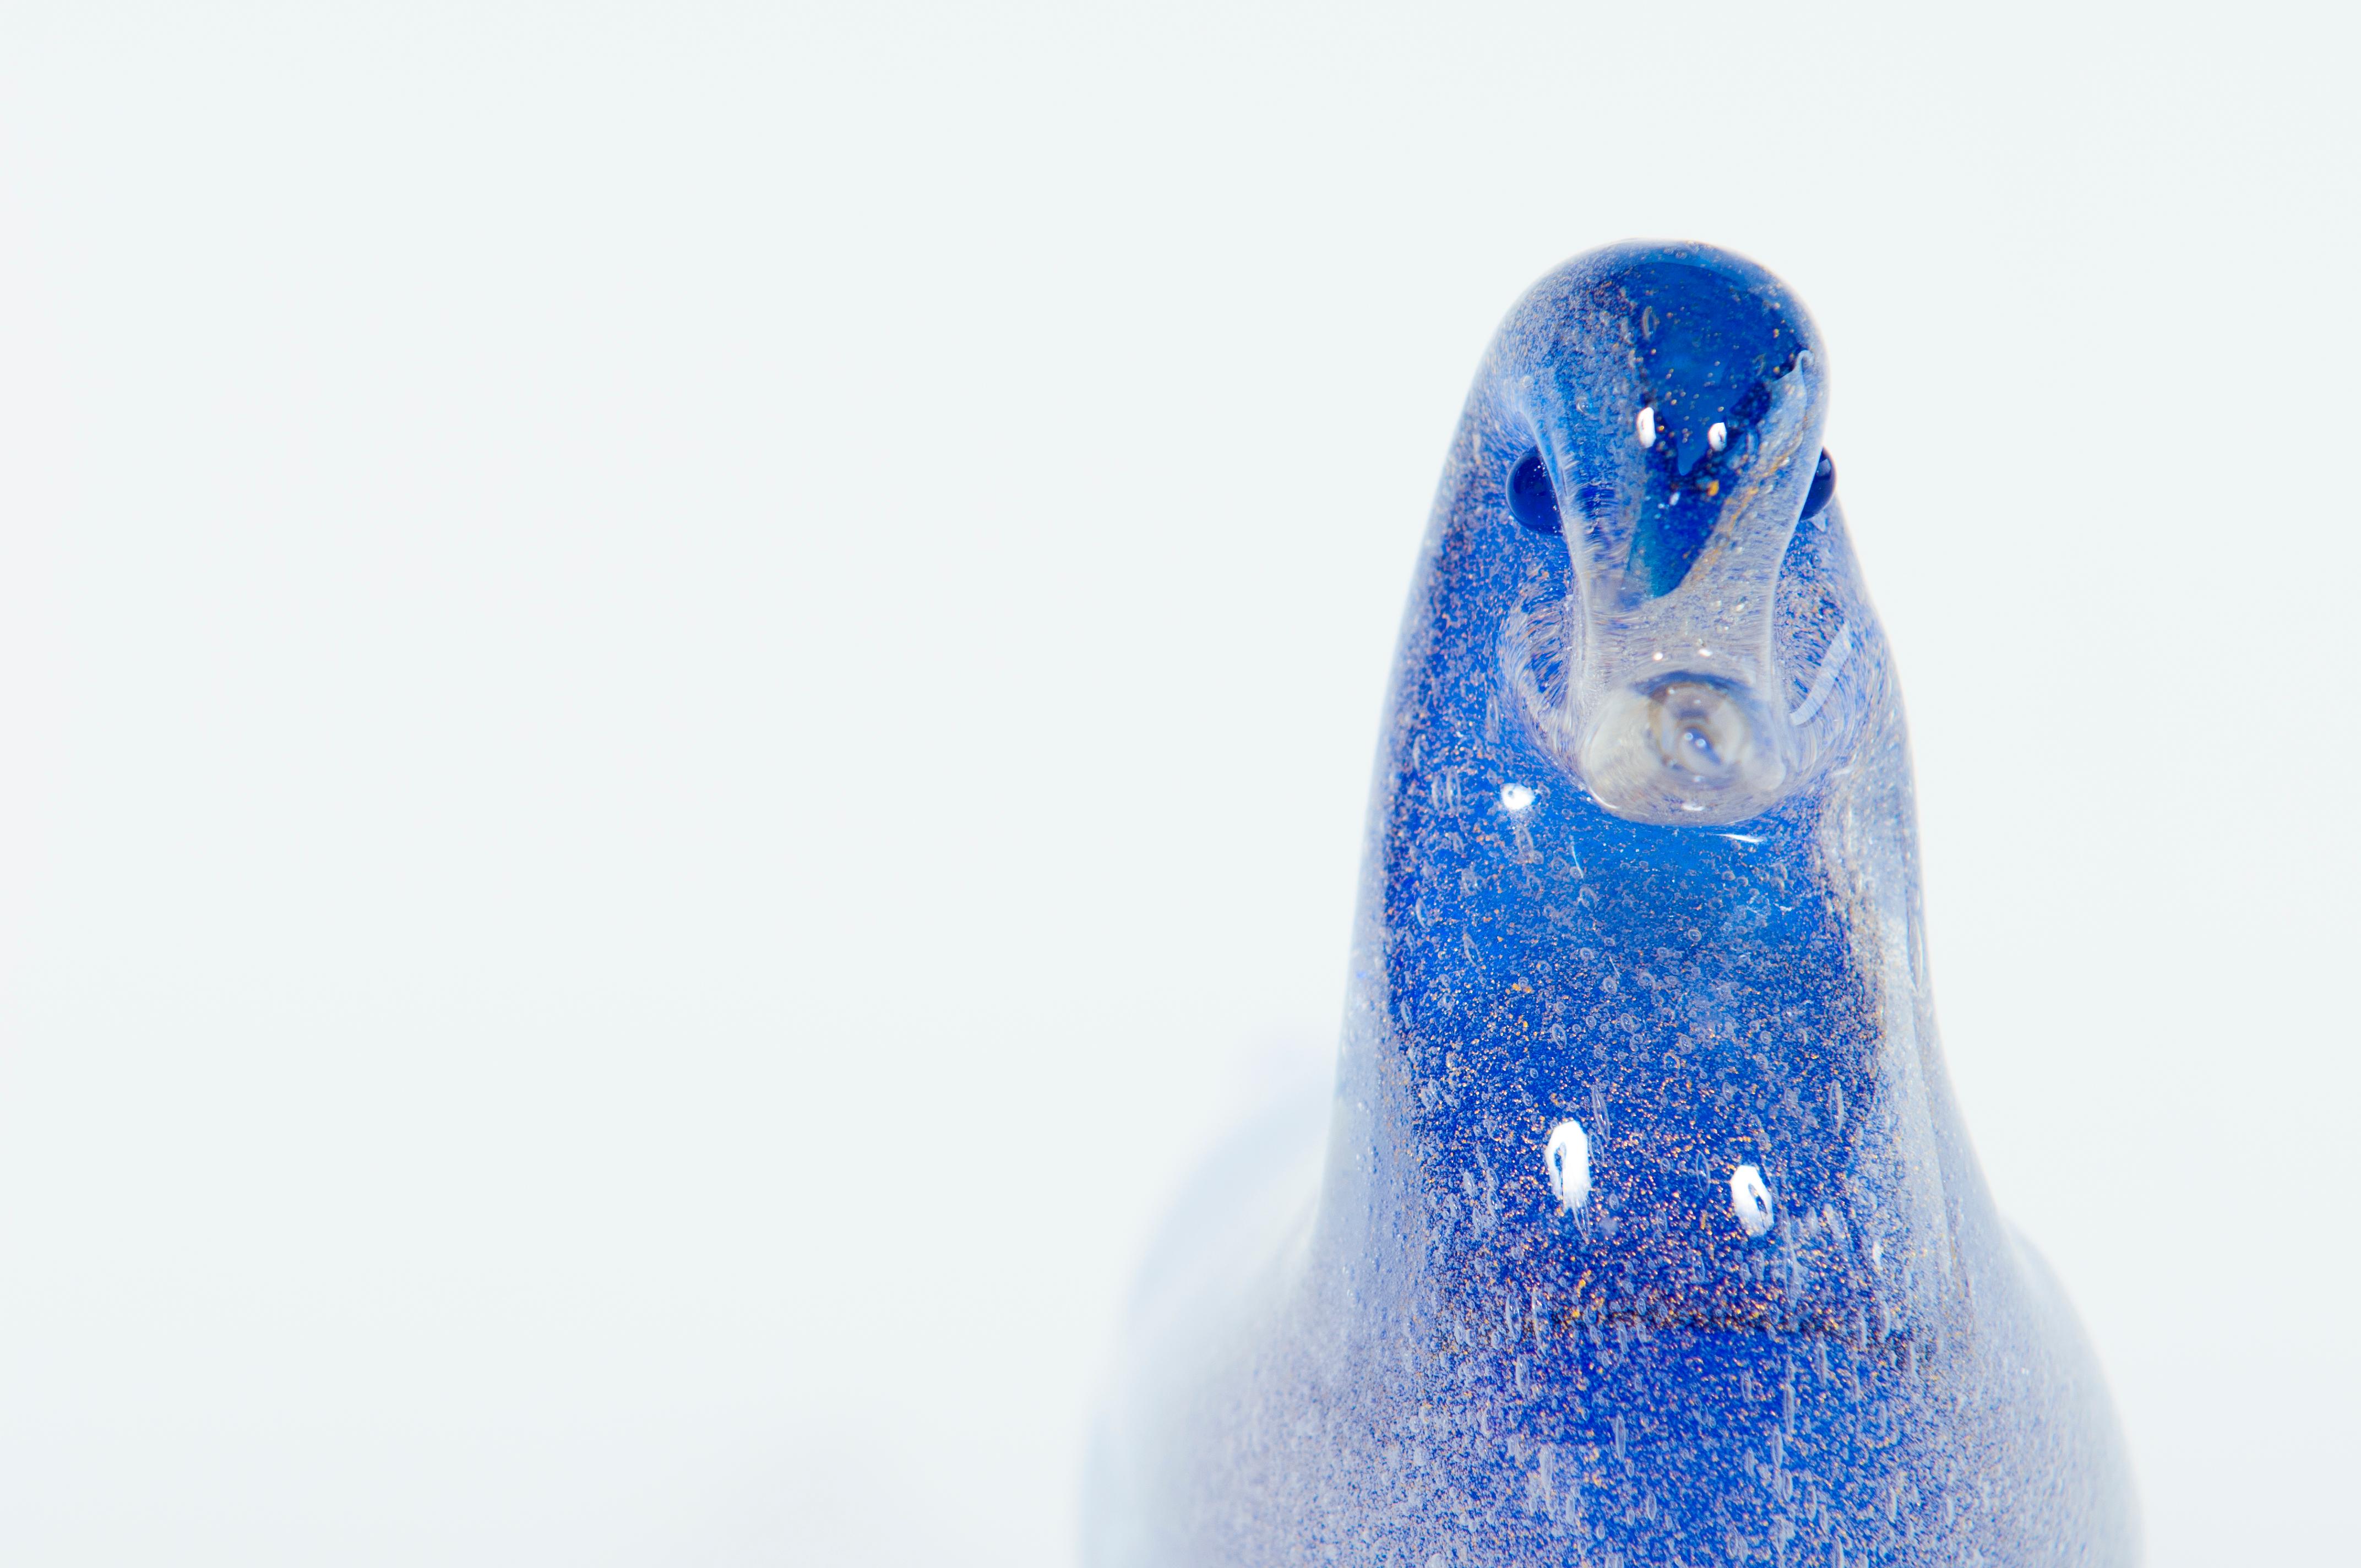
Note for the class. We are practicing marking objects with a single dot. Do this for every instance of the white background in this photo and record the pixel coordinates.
(687, 695)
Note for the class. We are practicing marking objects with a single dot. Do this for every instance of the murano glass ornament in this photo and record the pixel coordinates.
(1644, 1229)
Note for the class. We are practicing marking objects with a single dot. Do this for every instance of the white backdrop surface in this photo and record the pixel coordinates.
(686, 692)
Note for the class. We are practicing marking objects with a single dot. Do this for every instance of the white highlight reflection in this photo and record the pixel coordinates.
(1567, 1159)
(1750, 1199)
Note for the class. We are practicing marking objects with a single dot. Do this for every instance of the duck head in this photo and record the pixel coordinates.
(1674, 397)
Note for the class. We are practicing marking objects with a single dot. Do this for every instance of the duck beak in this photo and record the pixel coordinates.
(1673, 713)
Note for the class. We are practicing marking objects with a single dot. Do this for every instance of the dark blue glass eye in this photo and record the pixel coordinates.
(1531, 497)
(1824, 486)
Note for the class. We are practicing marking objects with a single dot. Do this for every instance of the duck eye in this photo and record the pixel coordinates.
(1647, 428)
(1718, 437)
(1823, 487)
(1533, 500)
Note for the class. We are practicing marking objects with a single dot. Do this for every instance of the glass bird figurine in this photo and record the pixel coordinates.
(1640, 1227)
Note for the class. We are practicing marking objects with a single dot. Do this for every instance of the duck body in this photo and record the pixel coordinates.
(1643, 1228)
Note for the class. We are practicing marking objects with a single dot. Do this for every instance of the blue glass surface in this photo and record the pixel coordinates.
(1640, 1227)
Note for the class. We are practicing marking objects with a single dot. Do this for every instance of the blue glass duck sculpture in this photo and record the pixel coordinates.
(1643, 1230)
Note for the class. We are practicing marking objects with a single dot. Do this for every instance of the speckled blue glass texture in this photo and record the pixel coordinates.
(1641, 1228)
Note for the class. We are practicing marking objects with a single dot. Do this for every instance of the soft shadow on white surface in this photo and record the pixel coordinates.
(680, 684)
